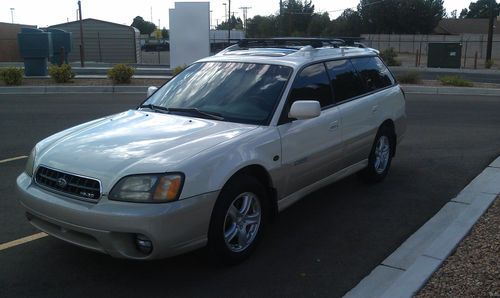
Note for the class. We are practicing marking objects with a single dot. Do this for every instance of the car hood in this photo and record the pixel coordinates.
(134, 142)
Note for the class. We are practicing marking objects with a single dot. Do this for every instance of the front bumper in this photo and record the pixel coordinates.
(111, 226)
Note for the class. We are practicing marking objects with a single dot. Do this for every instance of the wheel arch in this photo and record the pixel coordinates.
(389, 123)
(262, 175)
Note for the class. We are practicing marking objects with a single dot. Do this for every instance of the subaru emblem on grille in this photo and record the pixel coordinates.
(61, 182)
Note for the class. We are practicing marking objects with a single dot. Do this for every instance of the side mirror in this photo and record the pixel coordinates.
(305, 109)
(151, 90)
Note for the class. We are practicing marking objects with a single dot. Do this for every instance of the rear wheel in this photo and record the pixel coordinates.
(238, 219)
(380, 157)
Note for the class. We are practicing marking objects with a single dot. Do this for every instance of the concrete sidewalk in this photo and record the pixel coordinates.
(407, 269)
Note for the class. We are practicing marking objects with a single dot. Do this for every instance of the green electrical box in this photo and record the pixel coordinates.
(444, 55)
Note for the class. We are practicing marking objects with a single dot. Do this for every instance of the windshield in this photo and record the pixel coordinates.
(237, 92)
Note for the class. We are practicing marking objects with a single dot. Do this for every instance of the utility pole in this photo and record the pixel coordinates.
(12, 14)
(229, 23)
(489, 47)
(245, 14)
(151, 13)
(82, 52)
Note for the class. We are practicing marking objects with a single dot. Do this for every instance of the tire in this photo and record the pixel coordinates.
(238, 220)
(379, 161)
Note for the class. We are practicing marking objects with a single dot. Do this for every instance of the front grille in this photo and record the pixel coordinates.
(80, 187)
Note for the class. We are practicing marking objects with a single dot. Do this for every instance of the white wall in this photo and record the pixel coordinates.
(189, 32)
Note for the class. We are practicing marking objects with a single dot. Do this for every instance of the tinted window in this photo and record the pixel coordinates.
(344, 79)
(373, 73)
(239, 92)
(312, 83)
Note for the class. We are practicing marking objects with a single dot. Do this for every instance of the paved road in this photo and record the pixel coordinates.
(322, 246)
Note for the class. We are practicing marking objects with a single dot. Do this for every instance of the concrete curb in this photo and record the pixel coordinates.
(444, 70)
(407, 269)
(451, 90)
(142, 89)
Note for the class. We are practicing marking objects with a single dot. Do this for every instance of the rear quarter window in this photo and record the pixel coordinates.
(373, 72)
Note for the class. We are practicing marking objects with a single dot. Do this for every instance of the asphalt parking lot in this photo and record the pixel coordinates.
(322, 246)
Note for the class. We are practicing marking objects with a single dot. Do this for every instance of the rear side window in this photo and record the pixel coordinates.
(345, 81)
(312, 83)
(374, 74)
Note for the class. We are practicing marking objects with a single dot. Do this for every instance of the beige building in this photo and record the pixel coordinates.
(9, 49)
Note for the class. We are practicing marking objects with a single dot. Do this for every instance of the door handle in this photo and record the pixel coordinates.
(334, 125)
(374, 109)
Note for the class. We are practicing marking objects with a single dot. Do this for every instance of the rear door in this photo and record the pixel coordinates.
(356, 85)
(312, 148)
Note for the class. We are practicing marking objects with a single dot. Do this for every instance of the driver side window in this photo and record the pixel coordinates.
(312, 83)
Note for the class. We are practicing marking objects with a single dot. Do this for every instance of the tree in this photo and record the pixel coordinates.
(144, 27)
(165, 33)
(454, 14)
(347, 24)
(236, 23)
(296, 17)
(480, 9)
(318, 24)
(262, 27)
(401, 16)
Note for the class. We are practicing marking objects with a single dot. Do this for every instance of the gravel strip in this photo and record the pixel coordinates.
(474, 269)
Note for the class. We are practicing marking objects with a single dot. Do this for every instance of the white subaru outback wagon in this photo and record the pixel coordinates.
(212, 155)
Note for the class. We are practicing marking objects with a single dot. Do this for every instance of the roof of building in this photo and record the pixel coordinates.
(92, 20)
(464, 26)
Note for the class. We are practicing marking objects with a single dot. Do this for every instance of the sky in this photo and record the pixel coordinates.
(50, 12)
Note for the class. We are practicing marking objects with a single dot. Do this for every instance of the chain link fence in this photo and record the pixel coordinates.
(473, 54)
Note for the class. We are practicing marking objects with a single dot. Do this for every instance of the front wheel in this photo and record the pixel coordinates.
(238, 220)
(380, 157)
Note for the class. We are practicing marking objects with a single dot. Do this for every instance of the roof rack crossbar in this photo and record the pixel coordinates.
(290, 42)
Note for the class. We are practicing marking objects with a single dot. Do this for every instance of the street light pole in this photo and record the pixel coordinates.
(12, 14)
(82, 52)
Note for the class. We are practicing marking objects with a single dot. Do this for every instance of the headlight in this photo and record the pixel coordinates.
(154, 188)
(30, 163)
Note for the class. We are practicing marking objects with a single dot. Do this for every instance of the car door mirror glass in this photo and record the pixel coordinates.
(305, 109)
(151, 90)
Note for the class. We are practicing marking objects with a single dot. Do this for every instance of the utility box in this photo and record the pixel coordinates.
(35, 46)
(444, 55)
(61, 46)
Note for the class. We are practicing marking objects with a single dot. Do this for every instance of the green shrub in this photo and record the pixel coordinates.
(121, 73)
(389, 56)
(411, 77)
(455, 81)
(178, 70)
(489, 64)
(12, 75)
(61, 74)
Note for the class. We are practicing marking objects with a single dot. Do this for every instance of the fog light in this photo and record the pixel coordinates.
(143, 244)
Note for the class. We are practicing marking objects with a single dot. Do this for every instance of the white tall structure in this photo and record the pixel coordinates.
(189, 32)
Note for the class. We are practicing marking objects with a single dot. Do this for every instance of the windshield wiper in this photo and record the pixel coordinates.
(197, 112)
(155, 108)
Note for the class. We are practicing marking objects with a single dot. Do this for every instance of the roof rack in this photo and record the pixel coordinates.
(290, 42)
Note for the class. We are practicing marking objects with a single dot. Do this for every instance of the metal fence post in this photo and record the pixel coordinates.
(99, 46)
(465, 55)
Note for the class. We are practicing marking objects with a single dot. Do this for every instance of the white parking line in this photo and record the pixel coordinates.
(22, 241)
(13, 158)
